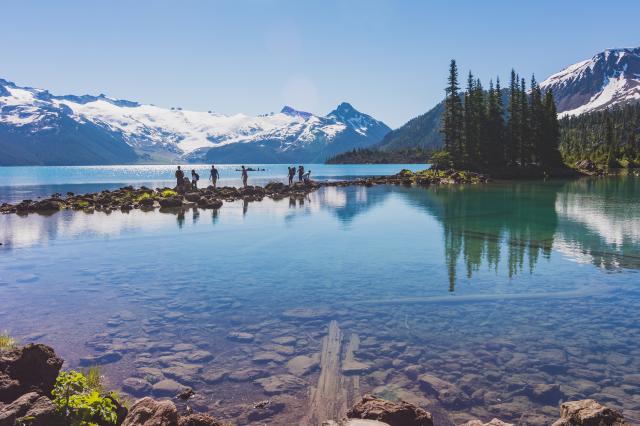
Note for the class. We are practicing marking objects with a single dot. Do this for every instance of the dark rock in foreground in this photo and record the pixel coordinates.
(393, 413)
(149, 412)
(31, 368)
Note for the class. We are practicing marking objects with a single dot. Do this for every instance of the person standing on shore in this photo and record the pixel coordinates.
(245, 176)
(300, 173)
(214, 175)
(179, 177)
(292, 173)
(195, 177)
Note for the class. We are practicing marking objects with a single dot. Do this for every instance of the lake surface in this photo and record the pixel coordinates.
(497, 289)
(32, 182)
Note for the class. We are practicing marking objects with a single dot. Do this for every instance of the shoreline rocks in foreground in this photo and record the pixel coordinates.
(28, 375)
(129, 198)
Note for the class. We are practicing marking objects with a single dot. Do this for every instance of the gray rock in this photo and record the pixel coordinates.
(281, 383)
(105, 358)
(167, 387)
(136, 386)
(302, 365)
(239, 336)
(31, 407)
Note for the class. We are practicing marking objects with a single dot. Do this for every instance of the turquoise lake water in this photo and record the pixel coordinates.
(495, 288)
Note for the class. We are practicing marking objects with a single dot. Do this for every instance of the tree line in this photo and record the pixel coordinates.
(481, 133)
(415, 155)
(609, 138)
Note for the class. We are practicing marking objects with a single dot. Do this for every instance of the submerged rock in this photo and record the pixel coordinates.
(167, 387)
(448, 393)
(239, 336)
(302, 365)
(281, 383)
(393, 413)
(588, 412)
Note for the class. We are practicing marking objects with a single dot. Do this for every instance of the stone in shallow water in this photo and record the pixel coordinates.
(105, 358)
(239, 336)
(183, 347)
(448, 393)
(305, 313)
(281, 349)
(167, 387)
(354, 367)
(281, 383)
(199, 356)
(265, 357)
(151, 374)
(245, 374)
(301, 365)
(183, 372)
(285, 340)
(214, 376)
(136, 386)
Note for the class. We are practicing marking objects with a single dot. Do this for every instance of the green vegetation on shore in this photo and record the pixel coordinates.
(609, 138)
(6, 341)
(376, 156)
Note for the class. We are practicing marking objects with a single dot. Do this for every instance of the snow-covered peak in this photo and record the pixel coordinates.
(610, 77)
(157, 132)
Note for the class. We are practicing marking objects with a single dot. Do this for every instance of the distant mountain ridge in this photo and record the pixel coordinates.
(37, 127)
(609, 78)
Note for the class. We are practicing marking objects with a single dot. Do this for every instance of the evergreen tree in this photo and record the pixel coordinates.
(524, 136)
(550, 155)
(494, 139)
(513, 121)
(453, 116)
(536, 121)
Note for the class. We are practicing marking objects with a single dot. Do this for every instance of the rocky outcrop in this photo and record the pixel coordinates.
(128, 198)
(588, 412)
(149, 412)
(37, 409)
(399, 413)
(31, 368)
(493, 422)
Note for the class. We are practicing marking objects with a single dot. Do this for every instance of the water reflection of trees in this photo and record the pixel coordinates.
(479, 222)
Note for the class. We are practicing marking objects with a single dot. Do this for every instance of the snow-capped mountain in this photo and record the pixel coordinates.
(37, 127)
(609, 78)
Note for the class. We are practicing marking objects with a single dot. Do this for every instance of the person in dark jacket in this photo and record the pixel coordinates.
(300, 173)
(179, 177)
(214, 175)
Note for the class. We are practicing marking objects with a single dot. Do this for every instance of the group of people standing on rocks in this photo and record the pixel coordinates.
(302, 176)
(184, 183)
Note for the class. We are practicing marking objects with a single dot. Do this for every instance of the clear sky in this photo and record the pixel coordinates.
(388, 58)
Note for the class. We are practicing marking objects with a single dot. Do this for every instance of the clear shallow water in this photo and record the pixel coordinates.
(494, 288)
(32, 182)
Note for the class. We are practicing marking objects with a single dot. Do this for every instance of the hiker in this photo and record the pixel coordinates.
(214, 175)
(195, 177)
(300, 173)
(245, 176)
(179, 177)
(292, 173)
(307, 177)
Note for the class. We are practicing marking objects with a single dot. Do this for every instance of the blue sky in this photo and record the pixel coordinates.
(387, 58)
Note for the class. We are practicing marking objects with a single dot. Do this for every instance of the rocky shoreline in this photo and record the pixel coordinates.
(28, 375)
(173, 199)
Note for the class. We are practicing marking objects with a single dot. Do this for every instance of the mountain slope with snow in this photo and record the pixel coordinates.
(37, 127)
(609, 78)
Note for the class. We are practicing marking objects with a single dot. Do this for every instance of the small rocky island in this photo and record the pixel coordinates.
(34, 391)
(129, 198)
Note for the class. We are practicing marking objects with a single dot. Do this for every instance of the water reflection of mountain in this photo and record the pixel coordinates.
(599, 221)
(594, 220)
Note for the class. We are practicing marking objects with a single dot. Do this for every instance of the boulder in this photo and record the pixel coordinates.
(448, 393)
(136, 386)
(31, 408)
(399, 413)
(549, 394)
(588, 412)
(149, 412)
(173, 201)
(167, 387)
(198, 420)
(280, 383)
(31, 368)
(194, 197)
